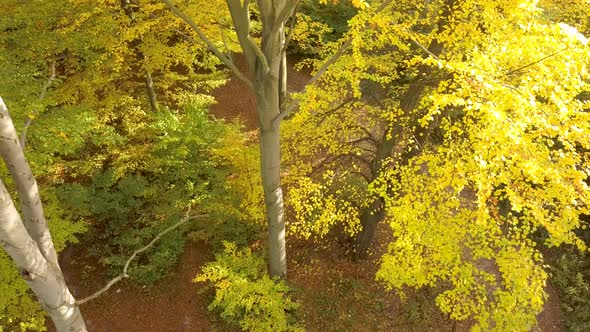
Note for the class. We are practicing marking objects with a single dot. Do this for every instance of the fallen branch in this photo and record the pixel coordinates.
(134, 254)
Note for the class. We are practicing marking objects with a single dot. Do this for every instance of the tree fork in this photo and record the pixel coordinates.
(29, 243)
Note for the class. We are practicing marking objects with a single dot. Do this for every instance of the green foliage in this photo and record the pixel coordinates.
(244, 293)
(141, 187)
(571, 274)
(318, 24)
(77, 69)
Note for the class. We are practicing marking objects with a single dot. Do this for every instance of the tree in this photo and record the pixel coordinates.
(498, 141)
(367, 109)
(76, 91)
(267, 78)
(28, 241)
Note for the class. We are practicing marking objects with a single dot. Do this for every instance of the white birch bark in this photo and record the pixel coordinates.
(34, 218)
(39, 269)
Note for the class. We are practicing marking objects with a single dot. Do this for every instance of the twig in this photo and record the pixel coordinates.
(224, 41)
(424, 48)
(534, 62)
(29, 121)
(208, 42)
(134, 254)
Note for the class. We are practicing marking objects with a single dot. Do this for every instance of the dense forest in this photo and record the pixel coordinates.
(294, 165)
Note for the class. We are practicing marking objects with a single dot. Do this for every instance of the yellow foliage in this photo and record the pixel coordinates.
(505, 131)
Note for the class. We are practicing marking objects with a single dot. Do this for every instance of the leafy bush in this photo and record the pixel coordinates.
(244, 294)
(571, 274)
(320, 23)
(161, 163)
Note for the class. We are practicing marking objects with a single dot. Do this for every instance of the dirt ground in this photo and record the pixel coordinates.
(318, 274)
(174, 304)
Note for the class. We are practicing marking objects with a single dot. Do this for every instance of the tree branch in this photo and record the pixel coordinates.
(534, 62)
(241, 18)
(424, 48)
(343, 48)
(283, 16)
(29, 121)
(208, 42)
(291, 27)
(134, 254)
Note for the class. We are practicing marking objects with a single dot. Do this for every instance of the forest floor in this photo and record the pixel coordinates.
(335, 294)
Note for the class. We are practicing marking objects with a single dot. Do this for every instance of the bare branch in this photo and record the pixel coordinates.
(208, 42)
(224, 41)
(241, 18)
(283, 16)
(291, 27)
(424, 48)
(124, 274)
(535, 62)
(322, 116)
(29, 120)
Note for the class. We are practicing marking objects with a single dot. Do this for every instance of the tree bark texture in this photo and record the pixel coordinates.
(31, 247)
(151, 92)
(26, 185)
(375, 210)
(268, 83)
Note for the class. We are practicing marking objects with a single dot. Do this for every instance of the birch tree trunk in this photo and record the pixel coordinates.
(34, 218)
(29, 243)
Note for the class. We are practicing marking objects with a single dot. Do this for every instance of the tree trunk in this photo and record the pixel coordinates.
(44, 277)
(270, 84)
(370, 217)
(29, 244)
(149, 85)
(34, 218)
(375, 211)
(273, 198)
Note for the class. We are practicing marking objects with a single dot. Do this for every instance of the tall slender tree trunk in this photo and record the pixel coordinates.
(149, 85)
(269, 85)
(29, 243)
(375, 210)
(273, 198)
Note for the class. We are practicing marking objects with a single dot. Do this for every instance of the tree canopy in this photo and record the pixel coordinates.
(463, 126)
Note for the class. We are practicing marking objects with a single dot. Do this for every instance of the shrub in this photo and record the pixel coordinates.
(571, 274)
(244, 294)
